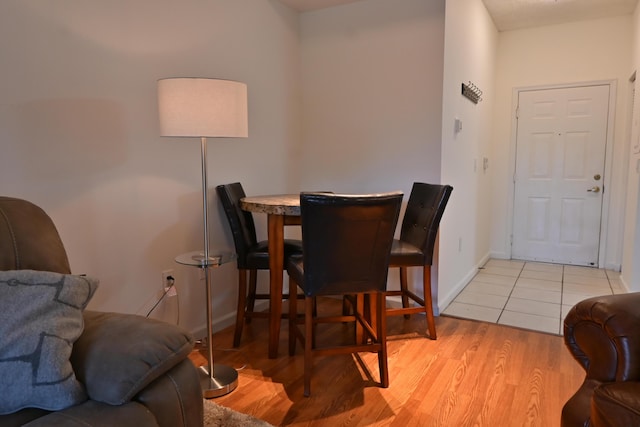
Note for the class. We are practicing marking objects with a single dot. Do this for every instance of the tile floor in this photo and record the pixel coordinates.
(530, 295)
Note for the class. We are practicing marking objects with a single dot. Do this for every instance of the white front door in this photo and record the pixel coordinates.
(560, 157)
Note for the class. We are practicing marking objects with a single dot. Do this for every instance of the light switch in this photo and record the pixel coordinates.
(458, 125)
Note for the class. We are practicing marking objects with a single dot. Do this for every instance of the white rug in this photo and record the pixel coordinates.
(218, 415)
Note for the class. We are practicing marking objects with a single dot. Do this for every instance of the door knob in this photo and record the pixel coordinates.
(594, 189)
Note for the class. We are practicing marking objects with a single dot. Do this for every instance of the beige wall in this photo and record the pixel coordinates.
(353, 98)
(470, 51)
(79, 132)
(631, 253)
(372, 97)
(586, 51)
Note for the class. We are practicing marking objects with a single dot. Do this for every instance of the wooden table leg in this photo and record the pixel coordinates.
(276, 258)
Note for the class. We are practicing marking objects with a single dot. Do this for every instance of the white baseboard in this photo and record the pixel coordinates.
(625, 285)
(445, 300)
(220, 323)
(613, 267)
(499, 255)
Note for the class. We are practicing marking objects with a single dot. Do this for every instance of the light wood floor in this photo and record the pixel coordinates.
(474, 374)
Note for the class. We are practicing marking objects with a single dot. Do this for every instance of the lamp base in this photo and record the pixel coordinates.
(224, 381)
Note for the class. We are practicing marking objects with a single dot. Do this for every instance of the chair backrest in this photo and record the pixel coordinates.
(423, 214)
(241, 222)
(28, 239)
(346, 241)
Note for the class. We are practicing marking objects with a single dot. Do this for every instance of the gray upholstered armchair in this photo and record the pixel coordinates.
(124, 370)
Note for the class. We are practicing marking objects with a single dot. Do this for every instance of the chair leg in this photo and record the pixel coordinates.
(251, 299)
(314, 314)
(403, 289)
(381, 325)
(315, 307)
(428, 301)
(371, 312)
(308, 340)
(293, 317)
(346, 306)
(240, 310)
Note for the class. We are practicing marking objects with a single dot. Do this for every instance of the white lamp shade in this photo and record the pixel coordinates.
(201, 107)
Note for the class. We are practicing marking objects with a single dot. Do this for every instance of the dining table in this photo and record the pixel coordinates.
(281, 210)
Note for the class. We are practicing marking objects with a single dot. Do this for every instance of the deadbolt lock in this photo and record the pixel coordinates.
(597, 177)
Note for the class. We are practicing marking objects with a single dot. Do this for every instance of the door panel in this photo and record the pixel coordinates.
(560, 145)
(538, 223)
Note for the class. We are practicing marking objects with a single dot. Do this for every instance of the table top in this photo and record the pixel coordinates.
(277, 204)
(197, 259)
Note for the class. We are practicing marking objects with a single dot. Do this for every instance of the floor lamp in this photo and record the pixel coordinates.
(201, 107)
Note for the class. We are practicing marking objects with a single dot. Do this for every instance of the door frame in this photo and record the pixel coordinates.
(608, 160)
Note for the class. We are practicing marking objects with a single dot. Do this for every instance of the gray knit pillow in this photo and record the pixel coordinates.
(40, 319)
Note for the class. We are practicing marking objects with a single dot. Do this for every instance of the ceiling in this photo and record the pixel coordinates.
(515, 14)
(307, 5)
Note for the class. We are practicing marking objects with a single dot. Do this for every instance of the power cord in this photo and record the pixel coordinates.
(202, 342)
(171, 287)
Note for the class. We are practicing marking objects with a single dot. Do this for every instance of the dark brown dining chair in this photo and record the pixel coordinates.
(415, 248)
(253, 255)
(346, 245)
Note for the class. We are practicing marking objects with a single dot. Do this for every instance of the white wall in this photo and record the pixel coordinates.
(372, 75)
(372, 97)
(470, 55)
(79, 132)
(583, 51)
(352, 98)
(631, 247)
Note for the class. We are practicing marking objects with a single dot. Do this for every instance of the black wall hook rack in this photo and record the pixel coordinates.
(472, 92)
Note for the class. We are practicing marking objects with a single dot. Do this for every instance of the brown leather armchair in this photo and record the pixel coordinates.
(603, 334)
(136, 371)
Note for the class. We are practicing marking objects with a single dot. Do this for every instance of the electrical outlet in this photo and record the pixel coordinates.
(166, 282)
